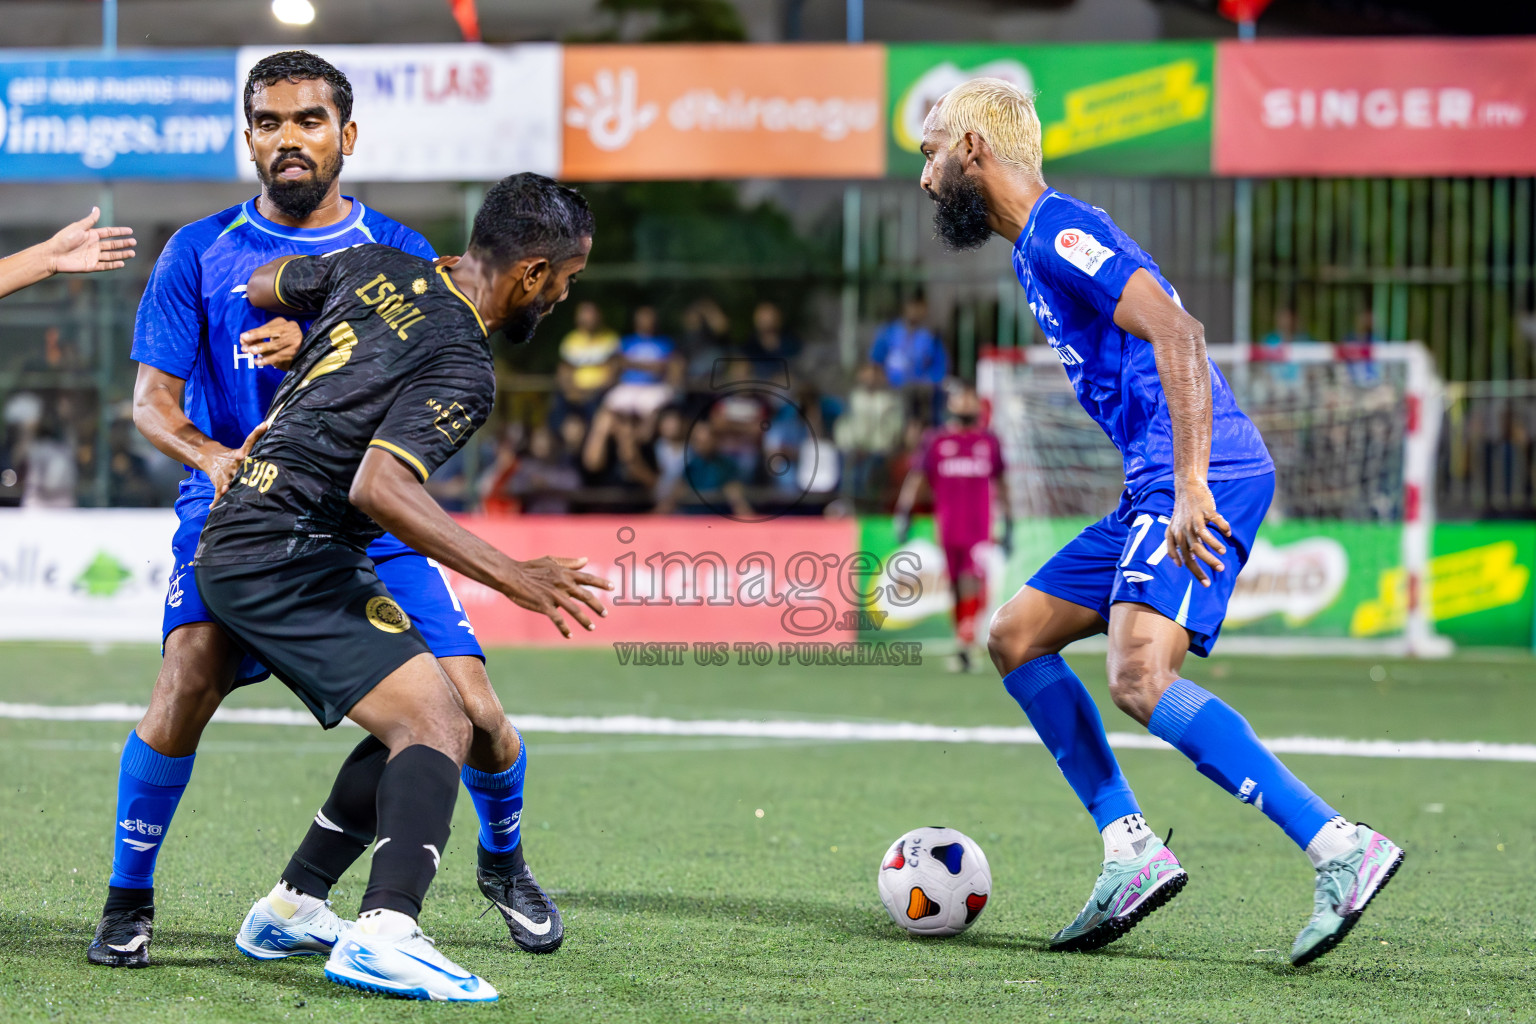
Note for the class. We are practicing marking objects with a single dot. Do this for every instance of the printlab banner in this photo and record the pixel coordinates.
(170, 115)
(444, 112)
(1393, 107)
(94, 575)
(723, 111)
(1132, 109)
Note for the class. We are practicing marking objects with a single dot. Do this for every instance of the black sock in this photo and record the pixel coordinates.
(345, 825)
(119, 898)
(509, 863)
(416, 795)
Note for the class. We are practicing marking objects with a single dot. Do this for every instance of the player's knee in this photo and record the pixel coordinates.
(1012, 641)
(1136, 683)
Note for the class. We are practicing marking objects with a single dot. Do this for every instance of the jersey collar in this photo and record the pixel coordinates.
(352, 222)
(1029, 225)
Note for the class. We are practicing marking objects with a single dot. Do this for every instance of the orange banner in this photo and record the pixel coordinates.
(724, 111)
(688, 579)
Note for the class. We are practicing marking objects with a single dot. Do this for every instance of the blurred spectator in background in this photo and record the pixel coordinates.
(650, 376)
(1284, 378)
(616, 458)
(709, 482)
(545, 477)
(913, 358)
(769, 339)
(669, 452)
(589, 362)
(51, 471)
(129, 481)
(706, 336)
(868, 434)
(1286, 332)
(1355, 350)
(740, 418)
(798, 454)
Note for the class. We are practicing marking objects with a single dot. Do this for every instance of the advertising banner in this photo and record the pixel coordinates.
(1131, 109)
(1395, 107)
(449, 112)
(701, 111)
(1303, 579)
(95, 575)
(169, 115)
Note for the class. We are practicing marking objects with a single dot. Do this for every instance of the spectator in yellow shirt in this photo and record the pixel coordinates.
(589, 363)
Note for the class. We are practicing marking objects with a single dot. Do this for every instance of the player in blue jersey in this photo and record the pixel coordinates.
(208, 366)
(1155, 574)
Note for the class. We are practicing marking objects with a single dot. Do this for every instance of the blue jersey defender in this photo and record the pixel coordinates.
(1074, 264)
(189, 325)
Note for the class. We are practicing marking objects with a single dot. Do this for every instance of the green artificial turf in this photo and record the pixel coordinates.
(682, 904)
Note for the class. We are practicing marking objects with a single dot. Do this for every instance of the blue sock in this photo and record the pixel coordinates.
(1225, 750)
(498, 800)
(1064, 715)
(149, 786)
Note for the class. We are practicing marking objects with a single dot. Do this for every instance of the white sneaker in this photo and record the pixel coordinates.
(311, 930)
(398, 960)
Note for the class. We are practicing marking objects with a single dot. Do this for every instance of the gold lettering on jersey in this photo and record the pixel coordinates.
(258, 473)
(391, 306)
(452, 420)
(343, 340)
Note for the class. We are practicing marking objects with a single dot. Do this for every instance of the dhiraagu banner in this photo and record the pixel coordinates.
(1127, 109)
(1304, 578)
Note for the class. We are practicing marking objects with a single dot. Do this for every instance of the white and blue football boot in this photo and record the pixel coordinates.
(387, 953)
(310, 929)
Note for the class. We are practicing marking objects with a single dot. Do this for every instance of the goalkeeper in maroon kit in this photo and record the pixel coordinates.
(963, 464)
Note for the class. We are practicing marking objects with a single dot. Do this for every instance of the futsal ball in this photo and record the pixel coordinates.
(934, 881)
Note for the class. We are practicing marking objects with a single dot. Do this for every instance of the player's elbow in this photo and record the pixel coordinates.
(366, 493)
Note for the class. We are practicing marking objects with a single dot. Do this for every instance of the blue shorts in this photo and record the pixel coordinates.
(1123, 557)
(418, 583)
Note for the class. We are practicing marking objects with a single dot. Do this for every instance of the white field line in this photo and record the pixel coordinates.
(826, 732)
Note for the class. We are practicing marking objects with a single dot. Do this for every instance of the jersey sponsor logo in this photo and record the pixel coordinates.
(965, 466)
(453, 420)
(1082, 250)
(175, 595)
(385, 614)
(1068, 355)
(142, 827)
(393, 309)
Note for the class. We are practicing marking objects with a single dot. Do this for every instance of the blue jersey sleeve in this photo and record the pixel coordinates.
(412, 242)
(170, 325)
(1082, 257)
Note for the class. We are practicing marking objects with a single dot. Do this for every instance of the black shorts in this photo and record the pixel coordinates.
(322, 622)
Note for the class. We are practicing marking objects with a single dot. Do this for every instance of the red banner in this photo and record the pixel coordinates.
(1378, 107)
(690, 579)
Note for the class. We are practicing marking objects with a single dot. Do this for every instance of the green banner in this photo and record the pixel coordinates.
(1303, 579)
(1125, 109)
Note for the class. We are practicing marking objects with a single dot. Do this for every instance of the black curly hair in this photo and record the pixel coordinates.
(530, 215)
(299, 66)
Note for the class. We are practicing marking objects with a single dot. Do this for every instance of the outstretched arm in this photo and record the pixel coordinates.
(78, 248)
(902, 520)
(392, 495)
(261, 288)
(1178, 344)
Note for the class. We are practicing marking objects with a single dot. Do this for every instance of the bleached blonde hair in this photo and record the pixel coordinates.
(999, 112)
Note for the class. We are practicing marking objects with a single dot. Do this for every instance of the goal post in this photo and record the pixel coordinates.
(1342, 563)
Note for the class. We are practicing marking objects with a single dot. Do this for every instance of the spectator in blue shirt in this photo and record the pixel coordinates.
(912, 356)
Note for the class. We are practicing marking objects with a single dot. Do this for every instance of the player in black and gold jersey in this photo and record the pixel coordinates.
(392, 378)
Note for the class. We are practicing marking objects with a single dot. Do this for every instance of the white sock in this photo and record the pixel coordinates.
(1334, 839)
(389, 924)
(1121, 835)
(288, 903)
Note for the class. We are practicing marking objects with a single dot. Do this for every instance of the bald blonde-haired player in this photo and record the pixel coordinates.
(1155, 574)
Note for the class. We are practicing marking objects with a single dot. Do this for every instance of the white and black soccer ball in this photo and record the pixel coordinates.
(934, 881)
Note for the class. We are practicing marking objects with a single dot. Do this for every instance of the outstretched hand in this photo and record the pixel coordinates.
(82, 248)
(1190, 539)
(551, 586)
(223, 467)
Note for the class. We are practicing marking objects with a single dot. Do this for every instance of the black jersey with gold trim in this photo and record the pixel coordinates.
(396, 358)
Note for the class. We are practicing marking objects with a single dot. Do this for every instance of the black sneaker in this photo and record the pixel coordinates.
(531, 916)
(122, 938)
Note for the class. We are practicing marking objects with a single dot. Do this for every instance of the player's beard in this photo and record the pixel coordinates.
(960, 213)
(519, 327)
(299, 199)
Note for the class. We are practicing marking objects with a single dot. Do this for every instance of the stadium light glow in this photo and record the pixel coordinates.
(293, 12)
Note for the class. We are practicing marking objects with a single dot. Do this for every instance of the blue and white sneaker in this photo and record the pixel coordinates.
(311, 929)
(387, 953)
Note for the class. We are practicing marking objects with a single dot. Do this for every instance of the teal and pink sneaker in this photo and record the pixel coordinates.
(1345, 886)
(1126, 892)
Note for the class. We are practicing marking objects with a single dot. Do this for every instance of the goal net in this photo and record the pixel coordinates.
(1342, 561)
